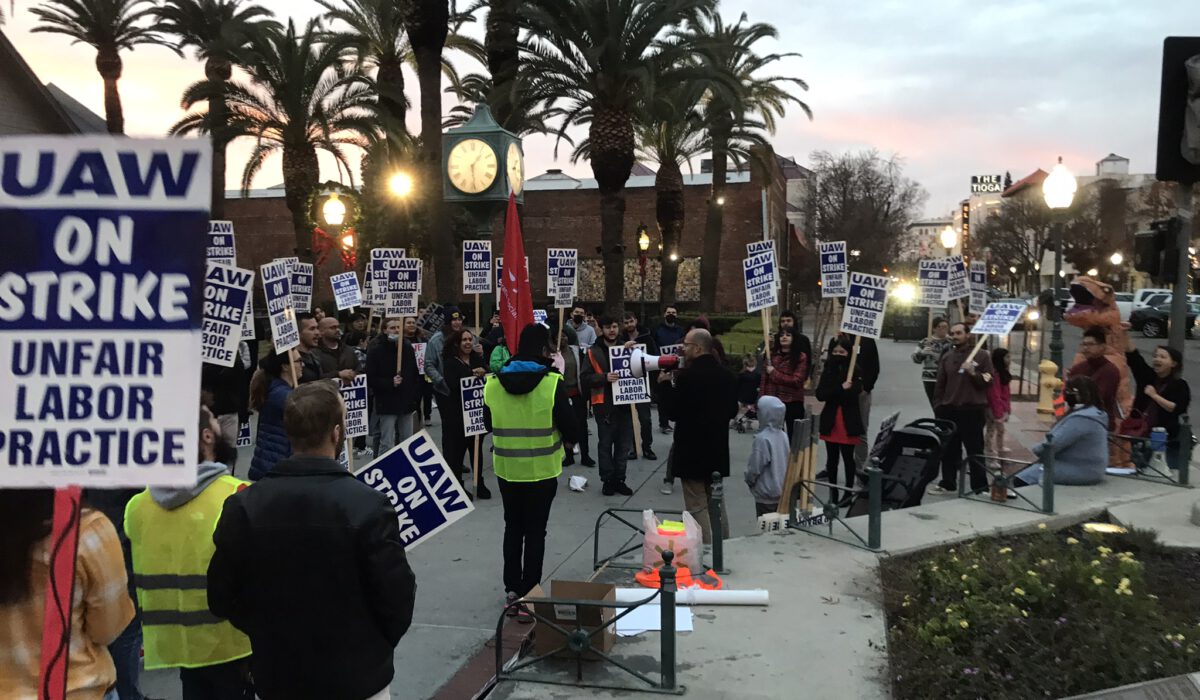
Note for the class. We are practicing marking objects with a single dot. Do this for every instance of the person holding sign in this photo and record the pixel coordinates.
(269, 389)
(961, 397)
(459, 359)
(310, 565)
(526, 408)
(784, 376)
(397, 390)
(102, 614)
(841, 425)
(614, 425)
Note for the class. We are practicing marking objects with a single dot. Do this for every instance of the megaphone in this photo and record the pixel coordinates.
(640, 363)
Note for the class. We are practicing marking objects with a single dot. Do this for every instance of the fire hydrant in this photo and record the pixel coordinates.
(1047, 385)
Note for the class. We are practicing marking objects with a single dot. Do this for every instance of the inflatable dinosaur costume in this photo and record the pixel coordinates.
(1096, 305)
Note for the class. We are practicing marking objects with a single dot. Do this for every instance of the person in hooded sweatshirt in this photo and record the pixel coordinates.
(1079, 441)
(767, 468)
(528, 412)
(170, 530)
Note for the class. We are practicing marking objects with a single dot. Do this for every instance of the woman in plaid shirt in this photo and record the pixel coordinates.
(101, 610)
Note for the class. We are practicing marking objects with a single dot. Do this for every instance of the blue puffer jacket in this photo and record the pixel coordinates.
(272, 444)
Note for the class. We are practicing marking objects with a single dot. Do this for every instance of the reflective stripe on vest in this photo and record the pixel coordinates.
(525, 444)
(171, 552)
(598, 392)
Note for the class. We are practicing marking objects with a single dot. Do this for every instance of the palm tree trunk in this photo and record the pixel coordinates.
(714, 225)
(427, 23)
(108, 64)
(611, 135)
(218, 114)
(390, 79)
(503, 58)
(669, 211)
(300, 168)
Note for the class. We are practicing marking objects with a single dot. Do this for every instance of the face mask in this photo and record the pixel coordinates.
(577, 319)
(393, 336)
(1071, 398)
(670, 318)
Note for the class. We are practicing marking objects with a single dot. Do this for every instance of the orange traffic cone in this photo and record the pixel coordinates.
(1060, 406)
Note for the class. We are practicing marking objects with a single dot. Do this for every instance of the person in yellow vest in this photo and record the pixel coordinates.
(170, 530)
(526, 408)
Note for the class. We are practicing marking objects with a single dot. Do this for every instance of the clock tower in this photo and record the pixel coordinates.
(482, 162)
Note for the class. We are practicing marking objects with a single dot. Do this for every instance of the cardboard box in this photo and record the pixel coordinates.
(547, 639)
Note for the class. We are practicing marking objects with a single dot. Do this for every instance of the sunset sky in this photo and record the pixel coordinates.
(954, 88)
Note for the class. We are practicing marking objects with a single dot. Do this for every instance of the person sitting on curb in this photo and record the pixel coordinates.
(1079, 442)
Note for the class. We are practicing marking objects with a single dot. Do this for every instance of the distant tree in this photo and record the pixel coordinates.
(865, 200)
(1007, 180)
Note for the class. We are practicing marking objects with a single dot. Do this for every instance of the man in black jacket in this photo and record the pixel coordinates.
(701, 399)
(310, 565)
(397, 394)
(868, 365)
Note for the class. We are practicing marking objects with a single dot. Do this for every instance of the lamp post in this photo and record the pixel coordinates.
(1059, 191)
(1012, 279)
(643, 246)
(949, 239)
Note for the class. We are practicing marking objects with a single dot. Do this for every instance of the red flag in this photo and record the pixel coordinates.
(516, 301)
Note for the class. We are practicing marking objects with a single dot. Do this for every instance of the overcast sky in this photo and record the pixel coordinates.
(954, 88)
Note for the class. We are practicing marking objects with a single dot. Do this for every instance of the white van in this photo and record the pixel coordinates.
(1141, 297)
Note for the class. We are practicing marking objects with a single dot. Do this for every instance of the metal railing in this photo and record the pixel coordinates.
(578, 642)
(1004, 482)
(1139, 454)
(831, 509)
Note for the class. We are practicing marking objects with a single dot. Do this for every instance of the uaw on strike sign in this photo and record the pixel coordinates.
(101, 292)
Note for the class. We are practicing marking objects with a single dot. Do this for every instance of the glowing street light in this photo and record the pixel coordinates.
(400, 184)
(643, 239)
(721, 201)
(1116, 259)
(1092, 272)
(949, 238)
(1012, 269)
(348, 241)
(334, 210)
(1059, 191)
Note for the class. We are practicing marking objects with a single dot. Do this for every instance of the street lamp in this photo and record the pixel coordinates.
(721, 201)
(1093, 272)
(949, 239)
(1059, 191)
(333, 210)
(1116, 259)
(400, 184)
(643, 242)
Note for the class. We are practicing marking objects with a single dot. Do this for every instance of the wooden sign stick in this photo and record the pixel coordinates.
(400, 348)
(982, 340)
(929, 331)
(475, 460)
(637, 429)
(478, 318)
(292, 365)
(853, 358)
(558, 336)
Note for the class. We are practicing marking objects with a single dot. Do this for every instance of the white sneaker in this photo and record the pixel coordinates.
(668, 488)
(936, 490)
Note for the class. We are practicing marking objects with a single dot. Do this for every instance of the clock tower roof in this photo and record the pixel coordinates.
(481, 122)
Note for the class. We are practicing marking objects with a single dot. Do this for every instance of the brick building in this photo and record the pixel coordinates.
(562, 211)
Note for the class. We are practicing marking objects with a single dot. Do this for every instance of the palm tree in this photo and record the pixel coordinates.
(600, 57)
(298, 101)
(738, 98)
(218, 30)
(109, 26)
(671, 133)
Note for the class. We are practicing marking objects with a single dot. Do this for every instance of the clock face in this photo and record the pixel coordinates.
(471, 166)
(516, 169)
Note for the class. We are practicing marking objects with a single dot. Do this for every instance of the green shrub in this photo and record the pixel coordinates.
(1046, 615)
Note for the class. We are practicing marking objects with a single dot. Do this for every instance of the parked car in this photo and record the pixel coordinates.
(1153, 321)
(1141, 297)
(1033, 314)
(1125, 304)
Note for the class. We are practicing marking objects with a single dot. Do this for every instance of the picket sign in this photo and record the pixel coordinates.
(477, 273)
(866, 304)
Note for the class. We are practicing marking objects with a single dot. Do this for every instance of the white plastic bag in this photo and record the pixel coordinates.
(687, 546)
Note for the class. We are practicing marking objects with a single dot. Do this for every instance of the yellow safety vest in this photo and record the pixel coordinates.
(525, 444)
(171, 552)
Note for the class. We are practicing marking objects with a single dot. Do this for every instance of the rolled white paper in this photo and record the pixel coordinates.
(700, 596)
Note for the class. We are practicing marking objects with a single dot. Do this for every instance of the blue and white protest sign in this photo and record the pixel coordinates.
(754, 248)
(759, 277)
(221, 248)
(834, 270)
(302, 287)
(404, 286)
(101, 314)
(957, 287)
(674, 349)
(378, 270)
(866, 302)
(225, 292)
(472, 405)
(345, 290)
(540, 316)
(999, 318)
(277, 288)
(248, 319)
(371, 299)
(477, 267)
(628, 388)
(243, 436)
(562, 270)
(933, 276)
(979, 284)
(423, 491)
(355, 395)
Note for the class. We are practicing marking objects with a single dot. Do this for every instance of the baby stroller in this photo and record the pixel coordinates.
(909, 459)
